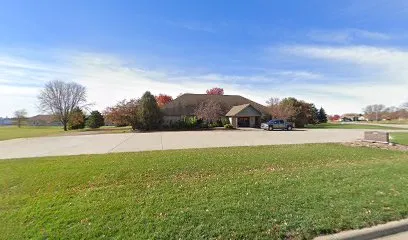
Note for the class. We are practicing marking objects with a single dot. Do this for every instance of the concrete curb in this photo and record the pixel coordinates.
(369, 233)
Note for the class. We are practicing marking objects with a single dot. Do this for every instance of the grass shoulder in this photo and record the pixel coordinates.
(265, 192)
(400, 138)
(13, 132)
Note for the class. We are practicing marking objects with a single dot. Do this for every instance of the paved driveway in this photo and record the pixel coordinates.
(132, 142)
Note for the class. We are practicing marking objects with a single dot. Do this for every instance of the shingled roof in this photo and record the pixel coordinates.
(237, 109)
(185, 104)
(44, 118)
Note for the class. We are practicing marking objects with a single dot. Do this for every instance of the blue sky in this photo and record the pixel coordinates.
(341, 55)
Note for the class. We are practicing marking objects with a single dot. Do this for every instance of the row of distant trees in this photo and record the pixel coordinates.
(379, 111)
(376, 112)
(298, 111)
(67, 102)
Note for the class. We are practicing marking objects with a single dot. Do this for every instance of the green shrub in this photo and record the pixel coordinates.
(216, 124)
(225, 121)
(228, 126)
(76, 119)
(95, 120)
(190, 122)
(204, 124)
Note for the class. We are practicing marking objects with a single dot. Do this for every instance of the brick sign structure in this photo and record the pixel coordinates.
(375, 136)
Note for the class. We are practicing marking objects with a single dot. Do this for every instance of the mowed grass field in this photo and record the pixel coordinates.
(400, 138)
(12, 132)
(351, 126)
(266, 192)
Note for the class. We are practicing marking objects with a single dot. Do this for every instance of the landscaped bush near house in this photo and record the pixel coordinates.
(186, 123)
(95, 120)
(216, 124)
(225, 121)
(191, 122)
(177, 125)
(228, 126)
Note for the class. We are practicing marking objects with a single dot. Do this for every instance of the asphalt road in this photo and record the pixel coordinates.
(133, 142)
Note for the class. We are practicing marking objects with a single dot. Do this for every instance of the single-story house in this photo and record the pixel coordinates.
(43, 120)
(241, 111)
(352, 117)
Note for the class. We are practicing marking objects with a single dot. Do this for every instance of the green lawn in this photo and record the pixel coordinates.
(269, 192)
(400, 138)
(349, 126)
(11, 132)
(392, 122)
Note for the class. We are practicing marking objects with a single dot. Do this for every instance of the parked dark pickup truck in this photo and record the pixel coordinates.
(277, 124)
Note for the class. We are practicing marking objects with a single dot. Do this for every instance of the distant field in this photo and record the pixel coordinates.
(400, 138)
(349, 126)
(268, 192)
(12, 132)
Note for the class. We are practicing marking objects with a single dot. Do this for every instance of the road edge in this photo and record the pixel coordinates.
(378, 231)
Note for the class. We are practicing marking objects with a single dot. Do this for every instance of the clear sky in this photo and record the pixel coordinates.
(341, 55)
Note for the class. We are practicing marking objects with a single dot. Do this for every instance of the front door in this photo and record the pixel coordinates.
(243, 122)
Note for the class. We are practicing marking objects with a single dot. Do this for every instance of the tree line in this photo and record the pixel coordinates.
(378, 112)
(297, 111)
(67, 102)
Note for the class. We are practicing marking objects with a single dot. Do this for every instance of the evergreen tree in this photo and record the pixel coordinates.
(322, 116)
(95, 120)
(149, 114)
(314, 115)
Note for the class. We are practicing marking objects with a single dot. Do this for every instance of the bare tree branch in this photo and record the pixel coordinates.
(61, 98)
(209, 111)
(20, 116)
(374, 112)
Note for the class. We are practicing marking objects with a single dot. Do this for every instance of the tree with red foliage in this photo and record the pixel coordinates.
(124, 113)
(215, 91)
(163, 99)
(334, 118)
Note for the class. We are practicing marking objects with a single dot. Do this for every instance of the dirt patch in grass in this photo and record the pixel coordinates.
(385, 146)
